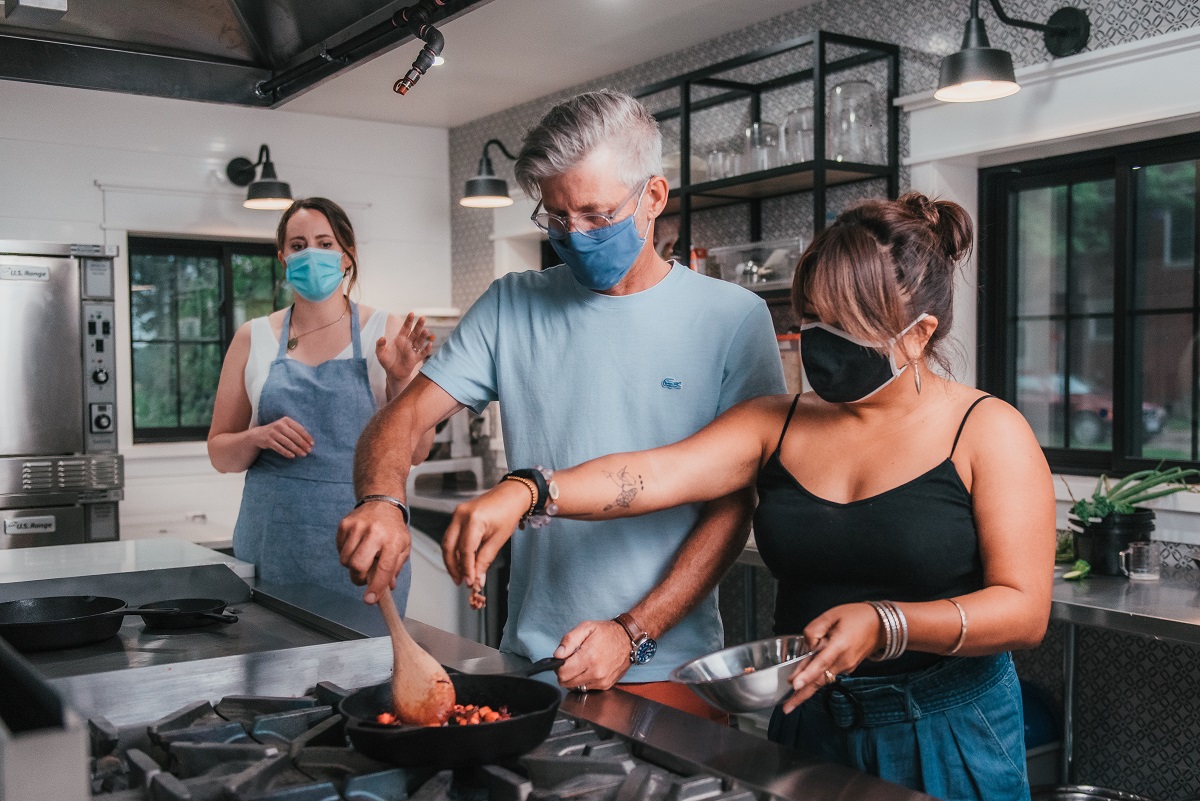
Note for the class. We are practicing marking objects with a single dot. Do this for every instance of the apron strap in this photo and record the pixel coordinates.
(355, 334)
(284, 331)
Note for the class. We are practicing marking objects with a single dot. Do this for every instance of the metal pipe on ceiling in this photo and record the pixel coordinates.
(415, 17)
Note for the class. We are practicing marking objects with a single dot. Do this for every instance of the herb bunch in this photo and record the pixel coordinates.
(1135, 488)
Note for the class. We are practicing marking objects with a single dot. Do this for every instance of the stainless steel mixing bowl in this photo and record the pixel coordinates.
(722, 678)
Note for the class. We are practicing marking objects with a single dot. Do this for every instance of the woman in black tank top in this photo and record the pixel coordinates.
(909, 519)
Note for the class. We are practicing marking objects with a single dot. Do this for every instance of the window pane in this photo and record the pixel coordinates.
(1041, 250)
(152, 287)
(199, 371)
(1092, 246)
(254, 291)
(1165, 395)
(199, 297)
(1091, 383)
(154, 386)
(1165, 225)
(1040, 379)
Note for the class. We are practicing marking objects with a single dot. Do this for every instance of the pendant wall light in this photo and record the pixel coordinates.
(979, 71)
(485, 190)
(268, 192)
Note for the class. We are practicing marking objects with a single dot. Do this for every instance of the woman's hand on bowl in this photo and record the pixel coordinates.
(842, 638)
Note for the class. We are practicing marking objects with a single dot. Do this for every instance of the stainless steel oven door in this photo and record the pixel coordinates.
(46, 525)
(41, 360)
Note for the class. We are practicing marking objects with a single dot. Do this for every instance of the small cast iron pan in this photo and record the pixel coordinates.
(61, 621)
(531, 703)
(185, 613)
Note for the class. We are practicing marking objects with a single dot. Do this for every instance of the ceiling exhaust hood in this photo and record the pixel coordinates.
(244, 52)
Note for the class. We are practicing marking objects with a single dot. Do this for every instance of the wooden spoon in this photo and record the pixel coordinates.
(422, 693)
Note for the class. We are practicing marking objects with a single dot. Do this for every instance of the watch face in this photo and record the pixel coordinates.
(644, 652)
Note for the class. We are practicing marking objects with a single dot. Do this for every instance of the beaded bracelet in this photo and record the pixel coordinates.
(545, 493)
(533, 492)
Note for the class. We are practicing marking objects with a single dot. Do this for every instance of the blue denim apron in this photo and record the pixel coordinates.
(291, 508)
(954, 730)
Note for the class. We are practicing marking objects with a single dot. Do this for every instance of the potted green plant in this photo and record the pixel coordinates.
(1105, 523)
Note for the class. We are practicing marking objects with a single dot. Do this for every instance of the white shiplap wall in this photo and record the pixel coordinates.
(86, 166)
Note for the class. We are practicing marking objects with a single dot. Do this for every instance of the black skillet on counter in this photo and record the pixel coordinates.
(185, 613)
(531, 703)
(61, 621)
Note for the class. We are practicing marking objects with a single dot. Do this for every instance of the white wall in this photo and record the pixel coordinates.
(1128, 93)
(85, 166)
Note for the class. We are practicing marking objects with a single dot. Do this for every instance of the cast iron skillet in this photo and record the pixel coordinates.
(185, 613)
(532, 704)
(62, 621)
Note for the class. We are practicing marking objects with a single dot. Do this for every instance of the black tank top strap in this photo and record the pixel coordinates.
(963, 424)
(787, 422)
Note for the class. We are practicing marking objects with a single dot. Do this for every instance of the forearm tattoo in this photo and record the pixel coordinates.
(629, 484)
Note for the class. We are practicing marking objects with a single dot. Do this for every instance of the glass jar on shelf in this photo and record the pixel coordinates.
(855, 128)
(762, 146)
(797, 142)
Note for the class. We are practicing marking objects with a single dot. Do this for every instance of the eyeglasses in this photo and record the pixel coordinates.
(590, 224)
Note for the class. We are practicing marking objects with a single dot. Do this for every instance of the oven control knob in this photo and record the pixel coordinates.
(103, 422)
(100, 375)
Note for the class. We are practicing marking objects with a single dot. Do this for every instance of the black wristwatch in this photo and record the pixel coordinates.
(641, 645)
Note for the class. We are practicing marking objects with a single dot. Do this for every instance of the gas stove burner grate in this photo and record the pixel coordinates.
(295, 749)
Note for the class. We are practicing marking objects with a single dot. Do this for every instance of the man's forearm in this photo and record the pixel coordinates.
(702, 560)
(383, 456)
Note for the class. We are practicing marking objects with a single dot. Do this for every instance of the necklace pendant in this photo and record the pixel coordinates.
(291, 343)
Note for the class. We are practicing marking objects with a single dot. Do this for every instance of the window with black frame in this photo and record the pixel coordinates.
(1090, 310)
(186, 299)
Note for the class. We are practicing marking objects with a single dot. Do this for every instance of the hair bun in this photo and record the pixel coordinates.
(948, 221)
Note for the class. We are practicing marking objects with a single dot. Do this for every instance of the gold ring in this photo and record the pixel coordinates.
(829, 677)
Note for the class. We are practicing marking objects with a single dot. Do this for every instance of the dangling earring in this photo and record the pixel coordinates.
(917, 375)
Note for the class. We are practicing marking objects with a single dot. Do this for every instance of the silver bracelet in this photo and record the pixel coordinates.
(399, 504)
(895, 631)
(890, 629)
(902, 645)
(962, 632)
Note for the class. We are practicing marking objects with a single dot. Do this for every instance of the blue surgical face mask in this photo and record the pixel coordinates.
(315, 273)
(600, 258)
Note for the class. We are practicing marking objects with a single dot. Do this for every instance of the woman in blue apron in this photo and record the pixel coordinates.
(296, 390)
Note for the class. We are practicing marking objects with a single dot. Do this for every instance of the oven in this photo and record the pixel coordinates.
(60, 474)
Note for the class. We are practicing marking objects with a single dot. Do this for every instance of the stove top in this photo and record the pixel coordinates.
(256, 748)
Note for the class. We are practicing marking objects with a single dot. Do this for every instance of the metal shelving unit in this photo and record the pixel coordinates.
(815, 176)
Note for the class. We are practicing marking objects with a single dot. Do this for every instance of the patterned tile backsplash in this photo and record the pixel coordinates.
(1138, 708)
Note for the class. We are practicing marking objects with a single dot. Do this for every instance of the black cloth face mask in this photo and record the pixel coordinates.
(844, 369)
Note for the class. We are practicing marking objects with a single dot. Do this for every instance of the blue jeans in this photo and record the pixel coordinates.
(954, 730)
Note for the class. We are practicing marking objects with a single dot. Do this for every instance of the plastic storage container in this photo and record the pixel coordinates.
(758, 265)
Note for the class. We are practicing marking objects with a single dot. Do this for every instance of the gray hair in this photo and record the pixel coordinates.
(573, 129)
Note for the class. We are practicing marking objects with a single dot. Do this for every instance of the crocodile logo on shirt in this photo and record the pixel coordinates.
(672, 383)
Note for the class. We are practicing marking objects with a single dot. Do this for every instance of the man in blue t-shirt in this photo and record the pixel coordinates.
(614, 350)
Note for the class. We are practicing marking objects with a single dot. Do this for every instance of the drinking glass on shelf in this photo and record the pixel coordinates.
(855, 124)
(735, 164)
(718, 164)
(797, 141)
(762, 146)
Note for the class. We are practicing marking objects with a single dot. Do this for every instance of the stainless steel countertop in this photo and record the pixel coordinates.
(1167, 609)
(668, 735)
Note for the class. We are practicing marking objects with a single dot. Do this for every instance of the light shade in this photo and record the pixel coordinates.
(977, 71)
(268, 192)
(485, 190)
